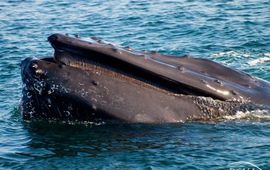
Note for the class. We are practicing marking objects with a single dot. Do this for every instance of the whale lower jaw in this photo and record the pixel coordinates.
(55, 91)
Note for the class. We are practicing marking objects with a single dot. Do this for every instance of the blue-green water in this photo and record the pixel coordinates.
(234, 32)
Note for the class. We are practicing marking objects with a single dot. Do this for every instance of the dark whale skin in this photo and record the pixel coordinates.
(97, 81)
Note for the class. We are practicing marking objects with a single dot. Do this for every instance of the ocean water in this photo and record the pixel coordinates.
(233, 32)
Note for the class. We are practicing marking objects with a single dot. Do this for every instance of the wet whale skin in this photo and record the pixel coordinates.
(97, 81)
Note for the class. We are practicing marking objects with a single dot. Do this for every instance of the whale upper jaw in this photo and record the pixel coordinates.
(183, 75)
(96, 81)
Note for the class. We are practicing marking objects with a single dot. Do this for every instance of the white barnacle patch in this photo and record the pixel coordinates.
(34, 65)
(28, 95)
(51, 90)
(223, 92)
(66, 90)
(70, 107)
(39, 71)
(106, 90)
(67, 113)
(49, 102)
(38, 86)
(94, 100)
(82, 92)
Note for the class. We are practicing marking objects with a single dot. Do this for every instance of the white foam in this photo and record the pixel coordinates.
(267, 54)
(250, 115)
(230, 53)
(259, 60)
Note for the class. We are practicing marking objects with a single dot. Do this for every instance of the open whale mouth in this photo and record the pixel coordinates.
(120, 63)
(89, 75)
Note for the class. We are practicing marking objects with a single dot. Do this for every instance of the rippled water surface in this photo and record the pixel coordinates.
(234, 32)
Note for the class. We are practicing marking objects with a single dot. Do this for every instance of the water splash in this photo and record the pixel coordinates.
(261, 60)
(255, 115)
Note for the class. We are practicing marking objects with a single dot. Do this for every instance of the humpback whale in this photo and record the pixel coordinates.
(99, 81)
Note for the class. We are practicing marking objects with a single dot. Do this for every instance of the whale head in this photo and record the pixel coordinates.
(97, 81)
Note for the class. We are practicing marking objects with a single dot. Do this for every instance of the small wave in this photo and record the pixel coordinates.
(85, 123)
(66, 122)
(259, 60)
(267, 54)
(255, 115)
(231, 54)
